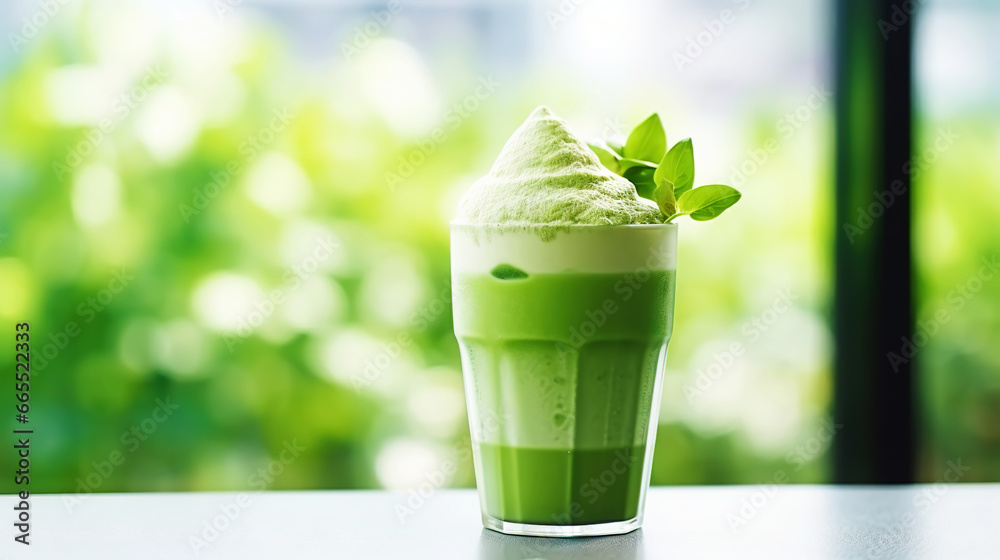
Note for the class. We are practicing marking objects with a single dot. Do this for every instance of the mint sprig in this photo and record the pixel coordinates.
(664, 176)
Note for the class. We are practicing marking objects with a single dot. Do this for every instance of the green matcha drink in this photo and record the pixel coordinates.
(565, 364)
(563, 285)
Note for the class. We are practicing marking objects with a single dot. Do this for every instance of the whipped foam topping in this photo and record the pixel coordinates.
(547, 176)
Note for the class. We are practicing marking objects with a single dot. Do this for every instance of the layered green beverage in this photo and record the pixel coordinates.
(562, 381)
(563, 287)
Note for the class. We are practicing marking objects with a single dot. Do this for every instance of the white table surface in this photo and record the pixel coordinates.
(926, 521)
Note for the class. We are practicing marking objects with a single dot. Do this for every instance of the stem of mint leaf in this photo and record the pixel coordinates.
(664, 198)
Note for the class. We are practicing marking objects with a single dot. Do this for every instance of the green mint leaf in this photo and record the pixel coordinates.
(707, 202)
(642, 178)
(677, 167)
(627, 163)
(608, 157)
(664, 198)
(647, 142)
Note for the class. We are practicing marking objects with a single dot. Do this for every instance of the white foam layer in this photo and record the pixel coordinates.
(593, 249)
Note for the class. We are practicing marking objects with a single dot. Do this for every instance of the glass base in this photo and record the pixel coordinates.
(593, 530)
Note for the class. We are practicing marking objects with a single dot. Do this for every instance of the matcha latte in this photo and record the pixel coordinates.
(563, 284)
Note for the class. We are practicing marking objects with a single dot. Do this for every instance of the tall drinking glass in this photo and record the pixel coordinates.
(563, 334)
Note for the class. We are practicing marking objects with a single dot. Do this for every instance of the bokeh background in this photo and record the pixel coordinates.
(237, 212)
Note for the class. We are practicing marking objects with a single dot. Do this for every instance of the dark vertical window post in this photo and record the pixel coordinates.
(873, 394)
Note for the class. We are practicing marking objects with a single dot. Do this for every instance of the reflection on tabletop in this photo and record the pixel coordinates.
(497, 546)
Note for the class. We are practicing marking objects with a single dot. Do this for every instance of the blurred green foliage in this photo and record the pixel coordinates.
(958, 266)
(217, 209)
